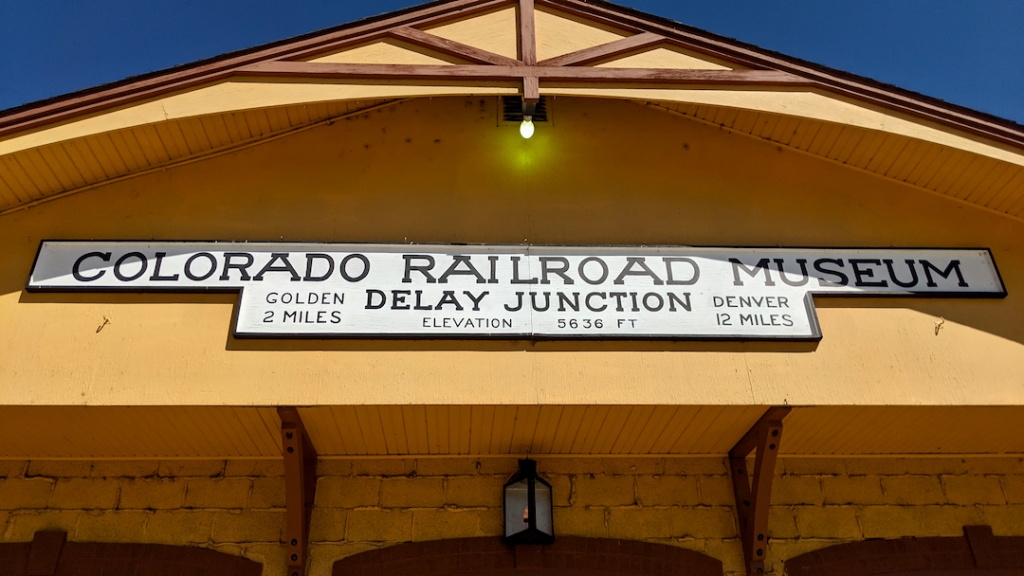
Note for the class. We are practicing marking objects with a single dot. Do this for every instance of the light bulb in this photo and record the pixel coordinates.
(526, 128)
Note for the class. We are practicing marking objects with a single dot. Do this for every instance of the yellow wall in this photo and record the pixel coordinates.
(442, 170)
(237, 506)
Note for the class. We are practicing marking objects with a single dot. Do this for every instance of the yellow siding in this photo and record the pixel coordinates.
(237, 506)
(387, 52)
(559, 33)
(93, 159)
(496, 31)
(666, 58)
(583, 181)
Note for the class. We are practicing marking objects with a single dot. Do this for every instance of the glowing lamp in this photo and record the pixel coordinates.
(526, 128)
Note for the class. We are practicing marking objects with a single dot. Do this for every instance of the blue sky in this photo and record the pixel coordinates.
(969, 52)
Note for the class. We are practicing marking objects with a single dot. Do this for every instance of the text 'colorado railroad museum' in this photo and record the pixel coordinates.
(492, 287)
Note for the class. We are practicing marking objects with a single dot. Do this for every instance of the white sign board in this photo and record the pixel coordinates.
(516, 292)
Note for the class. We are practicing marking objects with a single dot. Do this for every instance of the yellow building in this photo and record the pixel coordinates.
(302, 309)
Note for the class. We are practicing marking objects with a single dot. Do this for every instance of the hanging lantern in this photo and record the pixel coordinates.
(528, 507)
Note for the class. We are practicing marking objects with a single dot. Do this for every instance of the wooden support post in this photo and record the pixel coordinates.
(300, 487)
(528, 51)
(753, 501)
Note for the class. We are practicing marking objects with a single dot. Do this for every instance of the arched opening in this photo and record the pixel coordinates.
(50, 555)
(977, 553)
(568, 556)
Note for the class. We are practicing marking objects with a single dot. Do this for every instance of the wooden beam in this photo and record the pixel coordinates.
(472, 72)
(527, 33)
(528, 50)
(450, 47)
(124, 92)
(602, 51)
(127, 92)
(753, 501)
(300, 487)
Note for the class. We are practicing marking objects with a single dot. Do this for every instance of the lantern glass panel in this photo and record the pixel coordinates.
(517, 507)
(543, 496)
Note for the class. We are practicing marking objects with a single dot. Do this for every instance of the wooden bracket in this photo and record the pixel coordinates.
(753, 501)
(300, 487)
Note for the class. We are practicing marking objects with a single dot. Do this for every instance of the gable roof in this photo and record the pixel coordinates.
(604, 50)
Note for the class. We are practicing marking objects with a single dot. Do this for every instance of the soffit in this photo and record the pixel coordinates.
(340, 431)
(976, 179)
(473, 47)
(48, 171)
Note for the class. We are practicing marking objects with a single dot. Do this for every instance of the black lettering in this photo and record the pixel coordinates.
(243, 268)
(583, 264)
(76, 269)
(646, 271)
(761, 265)
(618, 300)
(860, 274)
(515, 273)
(897, 281)
(547, 301)
(448, 297)
(310, 259)
(564, 301)
(188, 266)
(370, 304)
(477, 300)
(519, 303)
(335, 317)
(561, 270)
(454, 271)
(954, 266)
(780, 264)
(285, 266)
(842, 279)
(419, 303)
(494, 269)
(590, 306)
(398, 299)
(120, 261)
(343, 268)
(694, 275)
(658, 306)
(673, 300)
(156, 277)
(421, 268)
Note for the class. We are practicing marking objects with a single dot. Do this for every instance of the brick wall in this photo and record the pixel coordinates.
(236, 506)
(821, 502)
